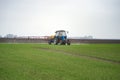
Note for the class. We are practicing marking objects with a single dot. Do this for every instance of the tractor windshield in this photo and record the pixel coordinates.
(60, 33)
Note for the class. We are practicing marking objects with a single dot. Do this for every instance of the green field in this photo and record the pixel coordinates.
(58, 62)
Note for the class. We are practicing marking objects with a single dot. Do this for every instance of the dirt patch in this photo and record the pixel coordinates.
(79, 55)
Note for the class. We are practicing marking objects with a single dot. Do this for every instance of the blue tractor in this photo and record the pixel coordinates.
(60, 38)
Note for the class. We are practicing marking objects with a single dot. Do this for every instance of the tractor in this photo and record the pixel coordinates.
(59, 38)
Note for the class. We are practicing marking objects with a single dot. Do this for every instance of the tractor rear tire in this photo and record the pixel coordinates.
(68, 42)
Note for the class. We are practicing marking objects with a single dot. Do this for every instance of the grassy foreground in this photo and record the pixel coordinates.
(55, 62)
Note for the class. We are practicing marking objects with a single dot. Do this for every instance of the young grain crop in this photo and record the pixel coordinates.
(49, 62)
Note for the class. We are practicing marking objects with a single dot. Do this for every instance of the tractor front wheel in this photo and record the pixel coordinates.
(62, 42)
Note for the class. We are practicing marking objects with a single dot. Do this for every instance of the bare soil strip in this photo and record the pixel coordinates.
(80, 55)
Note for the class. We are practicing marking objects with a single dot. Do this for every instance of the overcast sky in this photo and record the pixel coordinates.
(99, 18)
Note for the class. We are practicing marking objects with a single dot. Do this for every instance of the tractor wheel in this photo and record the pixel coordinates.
(49, 42)
(56, 42)
(68, 42)
(63, 42)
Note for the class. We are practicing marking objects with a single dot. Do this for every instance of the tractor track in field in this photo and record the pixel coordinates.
(79, 55)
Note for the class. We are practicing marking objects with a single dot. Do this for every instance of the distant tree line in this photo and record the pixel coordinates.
(9, 36)
(84, 37)
(44, 37)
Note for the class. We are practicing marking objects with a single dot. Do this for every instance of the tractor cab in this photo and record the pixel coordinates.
(61, 34)
(60, 38)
